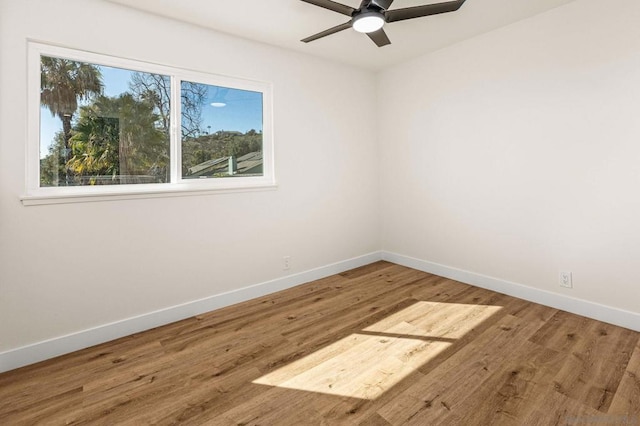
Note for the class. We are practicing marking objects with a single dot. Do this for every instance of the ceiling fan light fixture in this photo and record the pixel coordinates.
(368, 22)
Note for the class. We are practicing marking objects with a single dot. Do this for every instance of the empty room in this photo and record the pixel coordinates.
(316, 212)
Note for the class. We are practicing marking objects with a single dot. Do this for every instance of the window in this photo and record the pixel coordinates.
(230, 145)
(101, 126)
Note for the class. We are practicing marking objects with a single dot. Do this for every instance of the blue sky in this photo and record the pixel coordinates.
(242, 110)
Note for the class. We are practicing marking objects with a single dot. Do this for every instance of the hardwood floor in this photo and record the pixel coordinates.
(378, 345)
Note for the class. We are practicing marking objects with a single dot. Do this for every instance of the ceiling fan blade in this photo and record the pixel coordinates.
(332, 5)
(330, 31)
(420, 11)
(379, 37)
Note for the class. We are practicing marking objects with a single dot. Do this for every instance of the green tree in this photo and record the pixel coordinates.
(119, 137)
(63, 84)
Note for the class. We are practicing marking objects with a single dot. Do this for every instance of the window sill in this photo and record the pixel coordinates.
(80, 195)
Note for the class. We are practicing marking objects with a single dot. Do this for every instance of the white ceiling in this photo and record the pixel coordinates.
(284, 22)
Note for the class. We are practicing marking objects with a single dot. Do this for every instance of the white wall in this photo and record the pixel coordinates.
(67, 268)
(513, 155)
(517, 154)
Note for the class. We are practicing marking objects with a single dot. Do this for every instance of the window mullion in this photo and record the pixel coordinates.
(175, 148)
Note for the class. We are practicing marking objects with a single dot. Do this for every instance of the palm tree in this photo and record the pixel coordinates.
(63, 83)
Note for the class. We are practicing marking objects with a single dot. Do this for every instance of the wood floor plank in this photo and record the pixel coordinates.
(598, 354)
(379, 345)
(557, 409)
(280, 406)
(374, 420)
(436, 399)
(626, 402)
(204, 400)
(525, 375)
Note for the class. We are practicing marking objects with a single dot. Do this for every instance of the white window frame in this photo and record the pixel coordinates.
(177, 186)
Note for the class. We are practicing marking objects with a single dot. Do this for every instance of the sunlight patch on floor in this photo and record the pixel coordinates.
(364, 365)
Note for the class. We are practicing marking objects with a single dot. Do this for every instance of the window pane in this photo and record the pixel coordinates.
(102, 125)
(221, 131)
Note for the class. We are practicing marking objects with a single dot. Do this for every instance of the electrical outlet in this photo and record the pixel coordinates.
(286, 263)
(565, 279)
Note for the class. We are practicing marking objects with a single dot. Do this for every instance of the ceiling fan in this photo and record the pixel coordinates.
(373, 14)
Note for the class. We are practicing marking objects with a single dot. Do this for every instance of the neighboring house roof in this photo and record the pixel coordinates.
(248, 164)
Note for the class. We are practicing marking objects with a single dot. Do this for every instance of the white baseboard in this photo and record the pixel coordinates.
(51, 348)
(608, 314)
